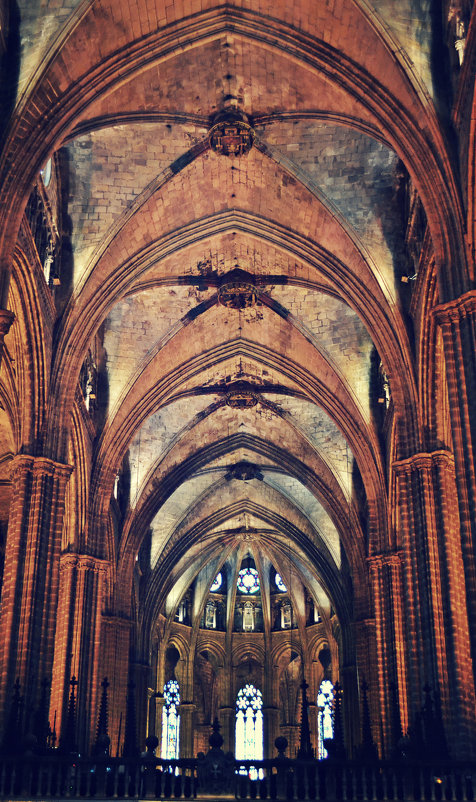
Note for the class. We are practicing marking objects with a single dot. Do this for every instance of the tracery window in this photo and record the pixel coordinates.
(325, 719)
(248, 580)
(279, 583)
(249, 725)
(217, 583)
(170, 721)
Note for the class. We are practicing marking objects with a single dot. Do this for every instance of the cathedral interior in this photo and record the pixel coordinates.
(238, 371)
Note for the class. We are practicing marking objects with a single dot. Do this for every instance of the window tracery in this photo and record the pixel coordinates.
(249, 724)
(217, 583)
(325, 718)
(279, 583)
(248, 580)
(171, 721)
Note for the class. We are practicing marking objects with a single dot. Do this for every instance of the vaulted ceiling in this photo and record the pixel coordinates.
(232, 419)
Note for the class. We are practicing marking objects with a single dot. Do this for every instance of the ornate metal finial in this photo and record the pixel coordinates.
(102, 742)
(231, 133)
(368, 748)
(338, 748)
(305, 750)
(68, 738)
(216, 739)
(281, 744)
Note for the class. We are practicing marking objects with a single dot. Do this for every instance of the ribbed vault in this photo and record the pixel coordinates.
(227, 351)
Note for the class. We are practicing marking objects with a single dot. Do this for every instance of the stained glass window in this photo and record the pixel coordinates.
(217, 583)
(249, 726)
(170, 721)
(248, 580)
(279, 583)
(325, 719)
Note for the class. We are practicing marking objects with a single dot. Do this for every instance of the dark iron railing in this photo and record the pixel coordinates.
(34, 777)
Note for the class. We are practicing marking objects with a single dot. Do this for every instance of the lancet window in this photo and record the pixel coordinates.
(171, 721)
(249, 724)
(325, 718)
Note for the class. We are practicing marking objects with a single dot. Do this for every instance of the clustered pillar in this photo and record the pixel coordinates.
(31, 579)
(437, 633)
(77, 647)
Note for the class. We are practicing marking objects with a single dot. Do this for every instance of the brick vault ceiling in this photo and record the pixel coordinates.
(157, 220)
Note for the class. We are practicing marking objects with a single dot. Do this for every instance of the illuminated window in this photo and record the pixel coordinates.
(286, 616)
(211, 615)
(248, 580)
(248, 617)
(182, 612)
(249, 726)
(46, 173)
(325, 720)
(279, 583)
(170, 721)
(217, 583)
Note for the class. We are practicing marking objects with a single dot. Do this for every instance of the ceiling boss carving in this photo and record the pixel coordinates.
(241, 397)
(237, 295)
(231, 134)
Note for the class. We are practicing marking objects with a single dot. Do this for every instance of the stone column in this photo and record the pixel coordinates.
(270, 730)
(31, 577)
(389, 645)
(457, 320)
(434, 589)
(291, 733)
(159, 708)
(77, 647)
(151, 712)
(186, 711)
(226, 717)
(141, 673)
(350, 707)
(115, 645)
(313, 711)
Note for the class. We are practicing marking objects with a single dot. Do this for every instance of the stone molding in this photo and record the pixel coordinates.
(423, 461)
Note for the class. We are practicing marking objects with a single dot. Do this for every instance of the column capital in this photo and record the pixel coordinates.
(40, 466)
(83, 562)
(452, 311)
(393, 558)
(423, 461)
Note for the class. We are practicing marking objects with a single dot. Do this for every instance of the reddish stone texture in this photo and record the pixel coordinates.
(30, 583)
(78, 640)
(350, 467)
(436, 622)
